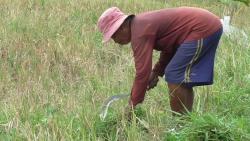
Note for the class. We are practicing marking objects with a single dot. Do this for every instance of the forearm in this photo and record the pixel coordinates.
(159, 69)
(163, 61)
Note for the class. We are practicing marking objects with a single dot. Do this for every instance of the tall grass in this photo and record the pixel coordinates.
(55, 73)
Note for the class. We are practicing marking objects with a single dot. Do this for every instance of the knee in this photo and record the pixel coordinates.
(179, 88)
(174, 89)
(172, 86)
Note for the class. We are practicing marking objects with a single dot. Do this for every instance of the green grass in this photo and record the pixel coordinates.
(55, 74)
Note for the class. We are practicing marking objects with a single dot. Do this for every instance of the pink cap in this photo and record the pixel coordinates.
(110, 21)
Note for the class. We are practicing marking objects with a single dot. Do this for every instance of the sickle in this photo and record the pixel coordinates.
(107, 103)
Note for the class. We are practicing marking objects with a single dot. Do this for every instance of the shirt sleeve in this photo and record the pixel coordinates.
(159, 67)
(142, 51)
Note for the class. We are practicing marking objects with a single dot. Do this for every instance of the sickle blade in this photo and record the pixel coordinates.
(108, 102)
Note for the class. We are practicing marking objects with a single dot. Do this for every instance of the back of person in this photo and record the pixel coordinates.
(173, 26)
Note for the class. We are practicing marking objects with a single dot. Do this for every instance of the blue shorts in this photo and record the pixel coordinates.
(193, 62)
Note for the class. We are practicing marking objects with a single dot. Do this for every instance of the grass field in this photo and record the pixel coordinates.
(55, 74)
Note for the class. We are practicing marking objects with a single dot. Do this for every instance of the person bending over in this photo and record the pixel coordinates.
(187, 38)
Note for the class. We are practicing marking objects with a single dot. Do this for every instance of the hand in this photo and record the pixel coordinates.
(153, 80)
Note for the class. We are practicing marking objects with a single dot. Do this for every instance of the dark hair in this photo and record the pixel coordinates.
(129, 18)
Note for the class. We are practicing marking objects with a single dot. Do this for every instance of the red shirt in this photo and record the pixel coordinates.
(164, 30)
